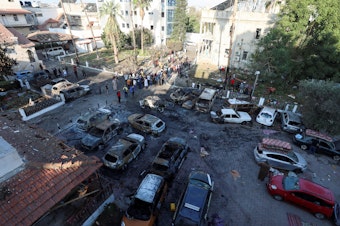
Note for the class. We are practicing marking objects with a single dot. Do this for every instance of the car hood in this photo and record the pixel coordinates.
(244, 115)
(90, 141)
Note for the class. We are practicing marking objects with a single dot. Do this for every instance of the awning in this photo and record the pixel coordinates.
(47, 37)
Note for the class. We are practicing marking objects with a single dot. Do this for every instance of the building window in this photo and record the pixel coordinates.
(136, 25)
(147, 8)
(135, 12)
(244, 55)
(38, 14)
(126, 13)
(171, 2)
(162, 14)
(122, 12)
(123, 25)
(10, 0)
(127, 25)
(151, 27)
(15, 16)
(162, 28)
(258, 33)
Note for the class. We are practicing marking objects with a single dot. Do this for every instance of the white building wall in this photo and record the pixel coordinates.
(15, 4)
(215, 34)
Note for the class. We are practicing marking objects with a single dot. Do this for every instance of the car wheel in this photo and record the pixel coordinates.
(278, 197)
(319, 216)
(304, 147)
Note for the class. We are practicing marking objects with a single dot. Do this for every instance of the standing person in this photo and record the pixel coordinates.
(146, 84)
(114, 83)
(264, 171)
(132, 90)
(83, 72)
(107, 88)
(75, 71)
(232, 83)
(65, 72)
(125, 89)
(55, 72)
(118, 95)
(59, 72)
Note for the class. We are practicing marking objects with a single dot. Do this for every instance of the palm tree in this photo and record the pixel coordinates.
(111, 29)
(142, 4)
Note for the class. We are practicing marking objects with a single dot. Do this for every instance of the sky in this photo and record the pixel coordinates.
(196, 3)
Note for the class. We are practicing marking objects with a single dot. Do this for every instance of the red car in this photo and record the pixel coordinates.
(315, 198)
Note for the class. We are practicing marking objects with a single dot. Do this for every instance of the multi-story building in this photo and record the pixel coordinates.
(158, 18)
(14, 16)
(229, 35)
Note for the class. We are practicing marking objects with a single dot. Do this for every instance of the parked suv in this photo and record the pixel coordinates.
(192, 207)
(315, 198)
(291, 122)
(146, 203)
(279, 154)
(124, 151)
(101, 134)
(323, 144)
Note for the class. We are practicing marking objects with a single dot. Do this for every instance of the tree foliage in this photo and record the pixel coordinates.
(148, 37)
(180, 21)
(6, 63)
(304, 44)
(320, 105)
(111, 29)
(142, 5)
(193, 20)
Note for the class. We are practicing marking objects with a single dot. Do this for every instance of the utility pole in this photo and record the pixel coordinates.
(88, 22)
(232, 30)
(69, 28)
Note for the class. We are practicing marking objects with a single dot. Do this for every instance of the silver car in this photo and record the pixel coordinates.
(279, 154)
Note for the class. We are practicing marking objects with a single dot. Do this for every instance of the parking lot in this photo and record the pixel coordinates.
(239, 198)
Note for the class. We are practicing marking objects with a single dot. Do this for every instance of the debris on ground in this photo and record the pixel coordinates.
(235, 174)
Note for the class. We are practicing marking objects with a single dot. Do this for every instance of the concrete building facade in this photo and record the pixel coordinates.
(229, 35)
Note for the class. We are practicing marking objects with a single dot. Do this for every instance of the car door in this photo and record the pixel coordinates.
(135, 149)
(280, 161)
(127, 155)
(324, 148)
(308, 201)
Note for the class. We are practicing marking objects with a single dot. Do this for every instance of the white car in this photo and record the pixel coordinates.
(267, 116)
(230, 115)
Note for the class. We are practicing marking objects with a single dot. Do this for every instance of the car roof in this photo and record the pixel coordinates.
(316, 189)
(293, 116)
(313, 133)
(119, 147)
(193, 202)
(105, 124)
(268, 109)
(207, 93)
(148, 187)
(236, 101)
(228, 111)
(149, 118)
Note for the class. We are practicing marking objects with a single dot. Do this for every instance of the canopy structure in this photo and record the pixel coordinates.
(47, 37)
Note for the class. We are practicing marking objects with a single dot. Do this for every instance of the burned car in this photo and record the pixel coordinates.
(152, 102)
(147, 123)
(170, 157)
(180, 95)
(75, 92)
(90, 119)
(124, 151)
(101, 134)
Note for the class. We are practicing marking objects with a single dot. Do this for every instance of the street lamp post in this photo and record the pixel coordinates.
(257, 73)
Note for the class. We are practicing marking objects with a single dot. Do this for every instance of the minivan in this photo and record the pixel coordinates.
(55, 51)
(206, 100)
(291, 122)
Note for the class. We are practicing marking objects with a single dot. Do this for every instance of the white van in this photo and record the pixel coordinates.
(206, 100)
(55, 51)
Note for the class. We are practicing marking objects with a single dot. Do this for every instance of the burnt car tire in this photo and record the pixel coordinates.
(303, 147)
(319, 216)
(278, 197)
